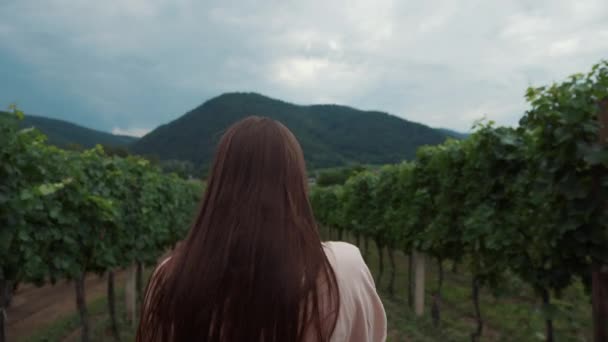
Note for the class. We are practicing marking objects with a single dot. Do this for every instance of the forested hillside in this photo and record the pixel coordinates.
(454, 134)
(330, 135)
(63, 133)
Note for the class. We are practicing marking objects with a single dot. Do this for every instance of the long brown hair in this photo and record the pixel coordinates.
(252, 267)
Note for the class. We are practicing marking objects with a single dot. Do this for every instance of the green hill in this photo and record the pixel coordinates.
(453, 134)
(63, 133)
(330, 135)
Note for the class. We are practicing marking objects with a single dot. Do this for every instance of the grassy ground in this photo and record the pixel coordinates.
(516, 315)
(68, 328)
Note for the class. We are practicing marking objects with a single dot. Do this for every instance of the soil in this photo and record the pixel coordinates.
(35, 307)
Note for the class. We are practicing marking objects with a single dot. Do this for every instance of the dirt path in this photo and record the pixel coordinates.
(33, 308)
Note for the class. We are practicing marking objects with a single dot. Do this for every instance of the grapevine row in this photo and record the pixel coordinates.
(529, 200)
(64, 214)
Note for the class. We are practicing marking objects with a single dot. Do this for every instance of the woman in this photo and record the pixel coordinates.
(253, 267)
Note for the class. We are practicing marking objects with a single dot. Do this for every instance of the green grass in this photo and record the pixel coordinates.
(101, 327)
(65, 325)
(55, 331)
(513, 316)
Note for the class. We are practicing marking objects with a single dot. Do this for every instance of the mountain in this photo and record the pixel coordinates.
(453, 134)
(330, 135)
(63, 133)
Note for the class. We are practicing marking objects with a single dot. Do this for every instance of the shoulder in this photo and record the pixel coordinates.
(162, 266)
(361, 316)
(164, 262)
(156, 282)
(160, 270)
(343, 252)
(346, 260)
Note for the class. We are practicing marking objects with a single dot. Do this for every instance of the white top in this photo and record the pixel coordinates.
(362, 317)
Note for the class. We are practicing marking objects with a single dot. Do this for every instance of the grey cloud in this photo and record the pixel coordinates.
(134, 64)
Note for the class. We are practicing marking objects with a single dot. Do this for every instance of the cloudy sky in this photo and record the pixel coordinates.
(130, 65)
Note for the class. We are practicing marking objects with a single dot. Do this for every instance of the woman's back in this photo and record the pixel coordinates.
(253, 267)
(361, 315)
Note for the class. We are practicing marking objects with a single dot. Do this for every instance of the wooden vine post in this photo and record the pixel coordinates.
(130, 296)
(3, 306)
(410, 281)
(419, 283)
(599, 276)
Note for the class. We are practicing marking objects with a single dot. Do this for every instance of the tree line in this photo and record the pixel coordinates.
(529, 200)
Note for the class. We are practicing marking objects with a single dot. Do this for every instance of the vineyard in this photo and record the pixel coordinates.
(527, 202)
(64, 214)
